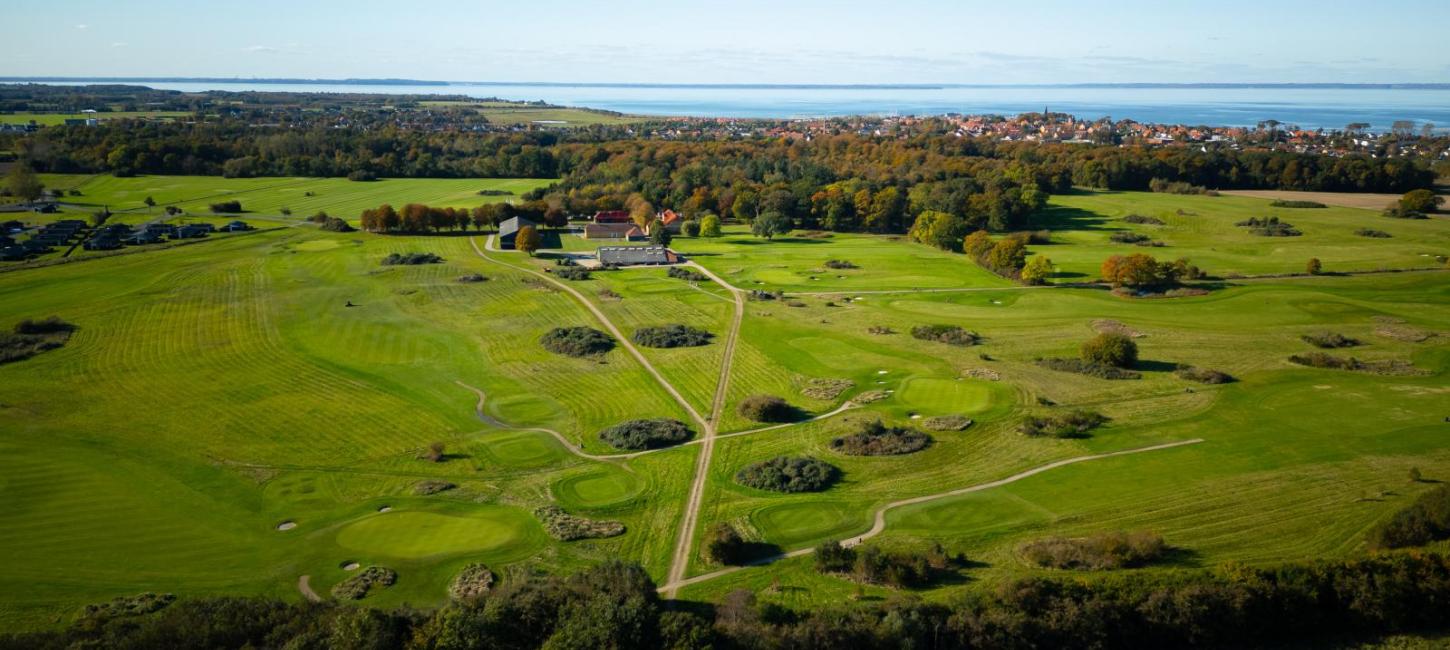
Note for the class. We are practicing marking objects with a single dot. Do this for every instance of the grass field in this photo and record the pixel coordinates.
(513, 113)
(218, 391)
(52, 119)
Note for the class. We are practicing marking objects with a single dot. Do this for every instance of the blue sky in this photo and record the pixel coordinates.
(745, 41)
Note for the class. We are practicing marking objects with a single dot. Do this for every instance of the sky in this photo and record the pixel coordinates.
(743, 41)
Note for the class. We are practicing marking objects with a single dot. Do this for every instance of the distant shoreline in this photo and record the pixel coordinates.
(739, 86)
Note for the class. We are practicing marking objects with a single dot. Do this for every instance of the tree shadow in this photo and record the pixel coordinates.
(1155, 366)
(1068, 274)
(1184, 558)
(1058, 217)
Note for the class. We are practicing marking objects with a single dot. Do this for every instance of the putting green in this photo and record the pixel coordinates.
(603, 487)
(795, 524)
(496, 530)
(937, 396)
(521, 449)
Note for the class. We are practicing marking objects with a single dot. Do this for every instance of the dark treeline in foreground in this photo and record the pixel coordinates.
(615, 606)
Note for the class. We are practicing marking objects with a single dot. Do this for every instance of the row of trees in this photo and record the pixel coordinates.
(417, 218)
(615, 605)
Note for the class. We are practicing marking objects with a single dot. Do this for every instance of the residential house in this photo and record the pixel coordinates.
(235, 226)
(636, 255)
(102, 242)
(509, 230)
(189, 231)
(671, 220)
(144, 236)
(13, 253)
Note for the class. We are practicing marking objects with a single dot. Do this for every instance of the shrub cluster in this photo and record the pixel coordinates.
(1129, 237)
(1203, 375)
(566, 527)
(871, 565)
(763, 295)
(410, 259)
(362, 176)
(125, 606)
(1165, 186)
(1005, 257)
(1269, 227)
(473, 581)
(947, 423)
(1089, 368)
(671, 336)
(32, 337)
(767, 408)
(576, 341)
(724, 545)
(646, 434)
(1331, 362)
(572, 273)
(687, 274)
(841, 264)
(231, 206)
(1424, 521)
(1138, 218)
(471, 278)
(1371, 232)
(1115, 550)
(788, 474)
(1282, 203)
(1141, 270)
(1329, 340)
(873, 438)
(949, 334)
(333, 224)
(358, 586)
(1110, 349)
(1074, 424)
(826, 388)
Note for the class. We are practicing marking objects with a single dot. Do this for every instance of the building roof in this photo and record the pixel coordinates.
(631, 255)
(669, 216)
(512, 226)
(612, 216)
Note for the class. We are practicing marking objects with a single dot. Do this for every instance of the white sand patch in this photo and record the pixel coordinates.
(287, 525)
(385, 509)
(351, 566)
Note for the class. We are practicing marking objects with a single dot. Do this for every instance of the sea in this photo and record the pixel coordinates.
(1308, 108)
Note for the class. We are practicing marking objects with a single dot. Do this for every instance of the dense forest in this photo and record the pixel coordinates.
(615, 605)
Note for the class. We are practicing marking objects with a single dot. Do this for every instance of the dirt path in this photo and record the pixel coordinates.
(684, 541)
(609, 325)
(304, 585)
(879, 524)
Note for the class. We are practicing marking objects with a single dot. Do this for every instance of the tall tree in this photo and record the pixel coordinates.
(23, 183)
(527, 240)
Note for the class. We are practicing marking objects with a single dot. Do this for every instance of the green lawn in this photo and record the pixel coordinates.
(216, 391)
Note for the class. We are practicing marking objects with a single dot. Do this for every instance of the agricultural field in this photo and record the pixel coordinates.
(254, 415)
(521, 113)
(53, 119)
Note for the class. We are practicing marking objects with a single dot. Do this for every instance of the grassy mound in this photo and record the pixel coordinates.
(671, 336)
(576, 341)
(646, 434)
(788, 474)
(1089, 368)
(473, 581)
(1117, 550)
(949, 334)
(1203, 375)
(32, 337)
(1075, 424)
(566, 527)
(876, 439)
(358, 586)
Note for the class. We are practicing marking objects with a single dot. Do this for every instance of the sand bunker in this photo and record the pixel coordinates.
(351, 566)
(287, 525)
(385, 509)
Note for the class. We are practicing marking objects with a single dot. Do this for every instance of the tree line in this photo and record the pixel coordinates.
(419, 218)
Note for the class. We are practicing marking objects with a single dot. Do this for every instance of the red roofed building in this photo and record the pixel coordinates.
(612, 216)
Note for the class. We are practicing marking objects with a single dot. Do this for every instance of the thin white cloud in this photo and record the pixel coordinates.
(261, 48)
(82, 26)
(119, 44)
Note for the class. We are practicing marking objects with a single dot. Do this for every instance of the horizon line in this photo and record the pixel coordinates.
(402, 82)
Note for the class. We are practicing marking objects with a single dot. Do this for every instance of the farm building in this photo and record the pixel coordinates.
(102, 242)
(625, 231)
(509, 230)
(189, 231)
(636, 255)
(612, 216)
(671, 220)
(235, 226)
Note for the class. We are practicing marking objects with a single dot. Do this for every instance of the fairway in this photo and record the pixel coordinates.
(399, 417)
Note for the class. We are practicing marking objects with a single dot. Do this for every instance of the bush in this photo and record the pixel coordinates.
(1203, 375)
(1424, 521)
(949, 334)
(358, 586)
(425, 488)
(1371, 232)
(32, 337)
(47, 325)
(572, 273)
(362, 176)
(1075, 424)
(687, 274)
(871, 565)
(566, 527)
(1138, 218)
(947, 423)
(410, 259)
(1281, 203)
(126, 606)
(1089, 368)
(1421, 201)
(840, 264)
(788, 474)
(576, 341)
(646, 434)
(723, 544)
(826, 388)
(333, 224)
(1110, 349)
(1329, 340)
(232, 206)
(473, 581)
(471, 278)
(690, 228)
(1128, 237)
(1269, 227)
(876, 439)
(671, 336)
(1166, 186)
(1117, 550)
(767, 408)
(762, 295)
